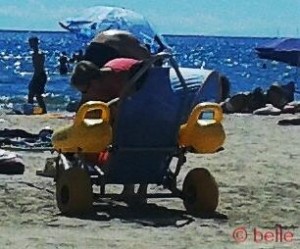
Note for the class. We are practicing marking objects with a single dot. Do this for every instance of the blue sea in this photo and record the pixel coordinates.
(234, 57)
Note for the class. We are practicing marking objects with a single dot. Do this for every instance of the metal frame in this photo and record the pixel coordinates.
(64, 162)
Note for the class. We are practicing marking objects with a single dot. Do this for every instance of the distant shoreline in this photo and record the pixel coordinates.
(32, 31)
(166, 35)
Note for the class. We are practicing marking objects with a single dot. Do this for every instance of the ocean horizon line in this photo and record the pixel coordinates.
(166, 34)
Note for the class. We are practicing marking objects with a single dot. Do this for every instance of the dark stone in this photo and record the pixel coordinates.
(72, 106)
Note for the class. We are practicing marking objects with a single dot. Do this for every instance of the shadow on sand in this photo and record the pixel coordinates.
(147, 215)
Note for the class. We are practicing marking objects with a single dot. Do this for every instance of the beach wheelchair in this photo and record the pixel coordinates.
(158, 121)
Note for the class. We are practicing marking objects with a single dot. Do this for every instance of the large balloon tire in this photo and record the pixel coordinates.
(74, 194)
(200, 192)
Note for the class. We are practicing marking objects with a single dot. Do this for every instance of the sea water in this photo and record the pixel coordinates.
(234, 57)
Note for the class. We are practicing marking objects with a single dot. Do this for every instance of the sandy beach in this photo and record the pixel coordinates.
(258, 175)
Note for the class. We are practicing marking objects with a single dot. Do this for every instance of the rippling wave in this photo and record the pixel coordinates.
(232, 56)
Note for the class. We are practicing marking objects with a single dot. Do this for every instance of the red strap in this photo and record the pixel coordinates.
(103, 157)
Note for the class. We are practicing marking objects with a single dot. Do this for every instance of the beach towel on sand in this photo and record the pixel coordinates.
(11, 163)
(21, 139)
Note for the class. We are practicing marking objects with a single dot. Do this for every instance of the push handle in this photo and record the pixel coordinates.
(92, 106)
(203, 107)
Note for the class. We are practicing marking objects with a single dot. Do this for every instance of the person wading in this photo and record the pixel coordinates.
(37, 84)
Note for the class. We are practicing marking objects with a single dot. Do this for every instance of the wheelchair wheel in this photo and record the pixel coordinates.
(200, 192)
(74, 194)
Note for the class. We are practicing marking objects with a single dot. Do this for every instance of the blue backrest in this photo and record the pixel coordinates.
(146, 131)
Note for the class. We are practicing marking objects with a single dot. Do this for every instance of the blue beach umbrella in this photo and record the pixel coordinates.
(93, 20)
(286, 50)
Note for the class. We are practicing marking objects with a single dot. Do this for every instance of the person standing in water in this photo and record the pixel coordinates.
(63, 64)
(37, 84)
